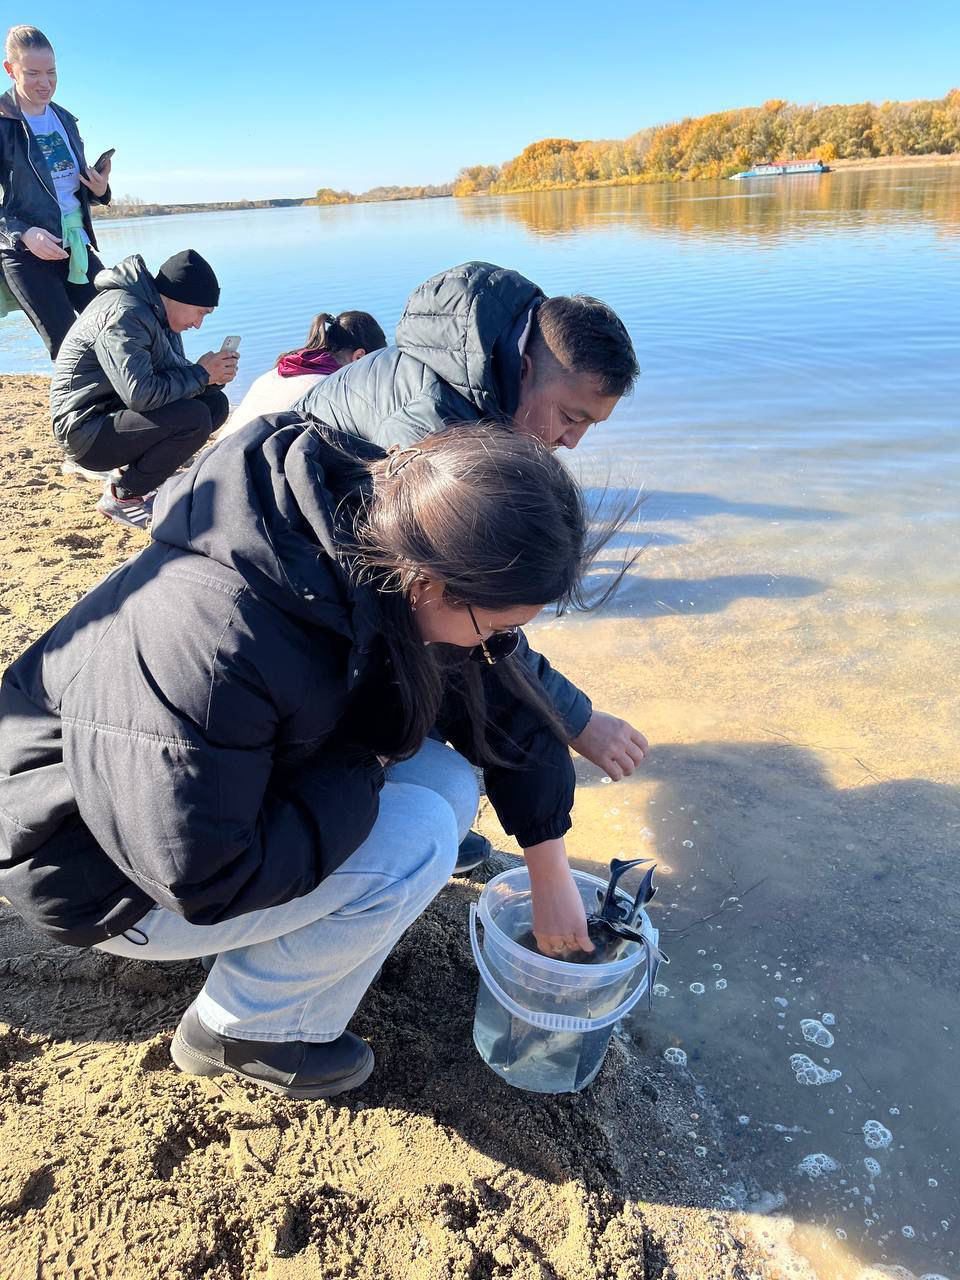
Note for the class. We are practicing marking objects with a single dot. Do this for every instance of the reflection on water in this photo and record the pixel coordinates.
(766, 209)
(788, 638)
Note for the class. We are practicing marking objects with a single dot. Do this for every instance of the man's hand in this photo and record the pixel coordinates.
(43, 244)
(559, 918)
(612, 745)
(220, 365)
(96, 181)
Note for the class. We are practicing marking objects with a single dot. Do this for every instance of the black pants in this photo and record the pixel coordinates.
(151, 446)
(51, 303)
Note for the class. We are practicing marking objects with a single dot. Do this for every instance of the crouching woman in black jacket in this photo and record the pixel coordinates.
(226, 747)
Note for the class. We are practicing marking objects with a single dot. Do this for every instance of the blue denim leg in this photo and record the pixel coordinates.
(298, 971)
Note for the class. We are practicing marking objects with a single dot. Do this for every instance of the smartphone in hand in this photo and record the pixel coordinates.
(102, 160)
(231, 343)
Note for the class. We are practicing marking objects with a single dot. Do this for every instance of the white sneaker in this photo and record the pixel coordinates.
(70, 468)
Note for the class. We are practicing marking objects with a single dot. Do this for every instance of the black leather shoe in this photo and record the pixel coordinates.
(294, 1068)
(473, 853)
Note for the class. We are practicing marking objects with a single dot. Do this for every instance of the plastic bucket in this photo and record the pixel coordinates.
(544, 1024)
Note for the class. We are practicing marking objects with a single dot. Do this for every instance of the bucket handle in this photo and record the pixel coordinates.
(550, 1021)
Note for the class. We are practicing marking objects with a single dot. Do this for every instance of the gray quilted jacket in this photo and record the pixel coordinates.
(119, 354)
(457, 359)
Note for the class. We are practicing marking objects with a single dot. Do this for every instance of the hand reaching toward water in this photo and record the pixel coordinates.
(612, 745)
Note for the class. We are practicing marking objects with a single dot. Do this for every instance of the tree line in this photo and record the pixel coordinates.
(327, 195)
(712, 146)
(134, 207)
(726, 142)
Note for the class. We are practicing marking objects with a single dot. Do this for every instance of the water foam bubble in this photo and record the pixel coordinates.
(872, 1166)
(660, 990)
(815, 1032)
(677, 1056)
(721, 984)
(816, 1165)
(807, 1071)
(829, 1019)
(876, 1135)
(697, 988)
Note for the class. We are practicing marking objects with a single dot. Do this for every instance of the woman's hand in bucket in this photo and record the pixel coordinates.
(559, 918)
(612, 744)
(43, 244)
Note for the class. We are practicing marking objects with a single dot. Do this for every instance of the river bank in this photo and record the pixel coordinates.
(114, 1165)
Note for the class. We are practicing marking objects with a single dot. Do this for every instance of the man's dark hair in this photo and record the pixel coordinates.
(584, 335)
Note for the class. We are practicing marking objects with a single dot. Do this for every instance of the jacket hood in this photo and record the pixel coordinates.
(465, 325)
(132, 276)
(265, 502)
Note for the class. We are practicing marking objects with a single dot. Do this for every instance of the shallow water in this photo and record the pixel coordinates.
(788, 638)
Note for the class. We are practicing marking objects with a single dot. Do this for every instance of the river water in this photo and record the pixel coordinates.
(787, 639)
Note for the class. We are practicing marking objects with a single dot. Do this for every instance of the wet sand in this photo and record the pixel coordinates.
(780, 777)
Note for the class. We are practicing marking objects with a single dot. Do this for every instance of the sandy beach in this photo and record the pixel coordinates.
(112, 1164)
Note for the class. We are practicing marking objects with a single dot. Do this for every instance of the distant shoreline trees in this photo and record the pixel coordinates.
(327, 195)
(712, 146)
(726, 142)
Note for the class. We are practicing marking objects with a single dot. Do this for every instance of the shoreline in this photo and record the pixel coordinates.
(435, 1168)
(158, 209)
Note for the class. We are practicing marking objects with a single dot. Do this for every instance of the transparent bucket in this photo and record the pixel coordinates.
(544, 1024)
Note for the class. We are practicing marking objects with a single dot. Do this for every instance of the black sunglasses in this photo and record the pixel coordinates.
(499, 646)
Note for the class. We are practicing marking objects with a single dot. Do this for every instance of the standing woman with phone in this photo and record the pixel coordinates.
(47, 243)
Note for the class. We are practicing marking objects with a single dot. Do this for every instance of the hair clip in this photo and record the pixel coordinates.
(398, 458)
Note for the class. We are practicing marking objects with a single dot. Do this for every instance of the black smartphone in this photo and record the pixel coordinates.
(102, 160)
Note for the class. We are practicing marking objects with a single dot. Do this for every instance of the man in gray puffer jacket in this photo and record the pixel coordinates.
(483, 342)
(125, 398)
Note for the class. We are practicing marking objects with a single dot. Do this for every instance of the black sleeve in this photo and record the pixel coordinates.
(533, 793)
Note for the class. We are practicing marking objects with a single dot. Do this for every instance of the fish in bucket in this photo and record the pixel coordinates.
(542, 1023)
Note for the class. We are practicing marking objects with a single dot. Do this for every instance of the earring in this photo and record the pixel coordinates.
(413, 603)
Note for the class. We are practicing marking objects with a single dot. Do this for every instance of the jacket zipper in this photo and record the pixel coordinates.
(51, 194)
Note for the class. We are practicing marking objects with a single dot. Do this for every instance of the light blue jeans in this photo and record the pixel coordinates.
(298, 971)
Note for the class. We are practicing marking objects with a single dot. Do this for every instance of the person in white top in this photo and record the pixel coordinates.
(333, 341)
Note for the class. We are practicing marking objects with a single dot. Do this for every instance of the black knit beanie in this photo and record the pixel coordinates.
(186, 277)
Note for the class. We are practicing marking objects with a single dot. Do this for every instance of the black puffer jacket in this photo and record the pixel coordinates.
(29, 199)
(179, 737)
(119, 354)
(457, 359)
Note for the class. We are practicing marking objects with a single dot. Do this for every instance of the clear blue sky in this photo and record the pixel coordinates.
(209, 101)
